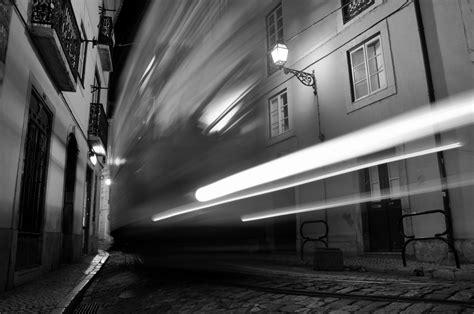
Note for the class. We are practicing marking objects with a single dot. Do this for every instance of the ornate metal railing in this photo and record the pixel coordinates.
(59, 15)
(351, 8)
(98, 125)
(105, 30)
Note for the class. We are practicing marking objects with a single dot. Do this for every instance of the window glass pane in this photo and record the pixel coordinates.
(357, 57)
(285, 125)
(373, 49)
(361, 89)
(280, 35)
(374, 174)
(377, 81)
(284, 98)
(359, 73)
(280, 23)
(375, 64)
(284, 111)
(394, 186)
(374, 82)
(375, 190)
(274, 131)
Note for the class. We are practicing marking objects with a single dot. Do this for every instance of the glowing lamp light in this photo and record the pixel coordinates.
(99, 149)
(279, 54)
(108, 182)
(93, 158)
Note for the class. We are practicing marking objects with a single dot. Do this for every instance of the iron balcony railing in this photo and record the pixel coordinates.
(98, 125)
(105, 42)
(105, 31)
(59, 15)
(351, 8)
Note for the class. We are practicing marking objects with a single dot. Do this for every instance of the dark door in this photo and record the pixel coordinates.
(383, 215)
(33, 184)
(87, 214)
(68, 203)
(284, 227)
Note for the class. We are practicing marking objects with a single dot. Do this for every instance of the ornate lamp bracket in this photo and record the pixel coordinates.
(103, 10)
(306, 78)
(95, 88)
(93, 41)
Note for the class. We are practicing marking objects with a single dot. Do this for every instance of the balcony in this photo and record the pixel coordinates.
(352, 8)
(105, 42)
(98, 126)
(56, 34)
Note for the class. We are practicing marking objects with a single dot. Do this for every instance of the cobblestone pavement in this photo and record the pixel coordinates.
(49, 291)
(124, 287)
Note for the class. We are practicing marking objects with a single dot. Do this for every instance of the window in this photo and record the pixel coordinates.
(81, 68)
(384, 179)
(367, 69)
(352, 8)
(278, 109)
(274, 35)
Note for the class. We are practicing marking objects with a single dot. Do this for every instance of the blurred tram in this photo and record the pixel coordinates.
(186, 116)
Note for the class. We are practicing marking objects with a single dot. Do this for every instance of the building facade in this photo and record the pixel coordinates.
(372, 60)
(55, 65)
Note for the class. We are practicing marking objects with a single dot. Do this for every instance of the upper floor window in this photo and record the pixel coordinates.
(279, 119)
(352, 8)
(274, 34)
(367, 68)
(81, 67)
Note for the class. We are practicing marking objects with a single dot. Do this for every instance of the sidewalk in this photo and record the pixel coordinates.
(53, 292)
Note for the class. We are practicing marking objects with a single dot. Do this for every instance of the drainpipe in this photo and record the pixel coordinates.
(432, 99)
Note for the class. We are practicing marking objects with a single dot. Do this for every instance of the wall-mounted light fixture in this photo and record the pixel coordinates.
(280, 54)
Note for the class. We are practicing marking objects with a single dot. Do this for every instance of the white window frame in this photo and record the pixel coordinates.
(282, 115)
(380, 30)
(276, 14)
(368, 75)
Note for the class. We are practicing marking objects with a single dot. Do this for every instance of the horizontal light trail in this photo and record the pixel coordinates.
(450, 113)
(432, 186)
(298, 181)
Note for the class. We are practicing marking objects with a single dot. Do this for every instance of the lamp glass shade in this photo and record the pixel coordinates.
(279, 54)
(99, 149)
(93, 158)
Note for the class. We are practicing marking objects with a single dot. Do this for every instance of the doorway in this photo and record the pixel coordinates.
(33, 184)
(284, 227)
(87, 213)
(68, 203)
(383, 213)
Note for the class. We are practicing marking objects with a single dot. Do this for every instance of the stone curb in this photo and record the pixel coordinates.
(73, 297)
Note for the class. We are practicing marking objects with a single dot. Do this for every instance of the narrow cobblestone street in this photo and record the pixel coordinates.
(124, 286)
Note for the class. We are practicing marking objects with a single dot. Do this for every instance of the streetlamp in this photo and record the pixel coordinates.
(279, 55)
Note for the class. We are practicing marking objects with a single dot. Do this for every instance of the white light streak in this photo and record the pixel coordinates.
(432, 186)
(299, 181)
(453, 112)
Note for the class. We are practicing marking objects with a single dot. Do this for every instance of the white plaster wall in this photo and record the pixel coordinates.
(323, 48)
